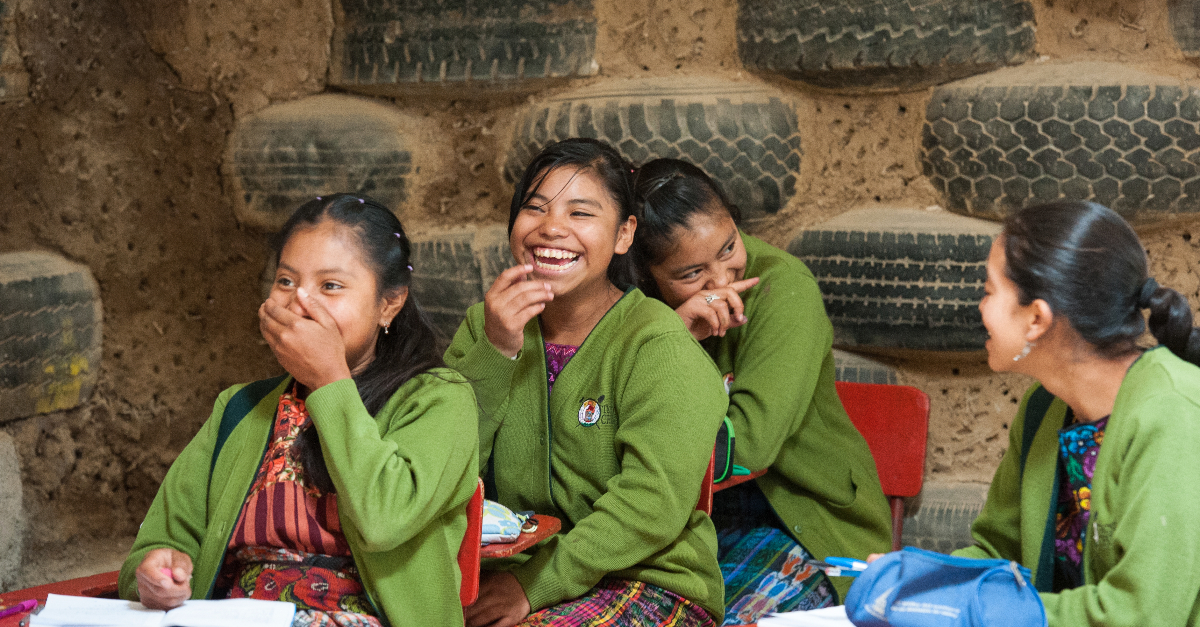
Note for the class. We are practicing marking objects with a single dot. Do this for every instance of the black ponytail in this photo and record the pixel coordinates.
(1086, 262)
(1171, 322)
(409, 348)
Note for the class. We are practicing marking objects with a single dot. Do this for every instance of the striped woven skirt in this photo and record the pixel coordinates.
(621, 603)
(765, 569)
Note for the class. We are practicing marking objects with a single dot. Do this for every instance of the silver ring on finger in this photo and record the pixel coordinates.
(709, 298)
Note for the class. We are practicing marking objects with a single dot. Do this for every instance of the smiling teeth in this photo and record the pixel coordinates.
(554, 266)
(555, 253)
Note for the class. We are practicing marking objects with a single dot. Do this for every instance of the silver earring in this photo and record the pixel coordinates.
(1025, 351)
(385, 329)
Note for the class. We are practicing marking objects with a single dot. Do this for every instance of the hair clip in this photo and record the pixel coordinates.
(409, 268)
(397, 235)
(318, 198)
(660, 182)
(361, 201)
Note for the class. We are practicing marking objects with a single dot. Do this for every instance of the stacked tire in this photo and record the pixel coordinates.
(903, 279)
(883, 44)
(390, 47)
(50, 334)
(453, 269)
(744, 135)
(285, 155)
(1086, 131)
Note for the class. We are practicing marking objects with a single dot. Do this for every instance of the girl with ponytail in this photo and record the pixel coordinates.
(343, 487)
(1098, 493)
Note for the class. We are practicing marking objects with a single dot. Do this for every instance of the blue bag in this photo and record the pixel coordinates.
(918, 588)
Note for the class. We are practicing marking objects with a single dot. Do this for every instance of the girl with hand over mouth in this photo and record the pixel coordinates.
(760, 317)
(342, 486)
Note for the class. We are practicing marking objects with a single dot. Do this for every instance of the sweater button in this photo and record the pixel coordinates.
(796, 528)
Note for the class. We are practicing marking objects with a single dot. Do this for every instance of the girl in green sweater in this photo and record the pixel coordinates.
(342, 488)
(1097, 493)
(597, 407)
(761, 319)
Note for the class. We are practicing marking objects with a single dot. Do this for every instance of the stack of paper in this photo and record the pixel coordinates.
(68, 611)
(826, 617)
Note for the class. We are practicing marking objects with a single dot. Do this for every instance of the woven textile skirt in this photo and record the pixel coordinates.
(621, 603)
(765, 569)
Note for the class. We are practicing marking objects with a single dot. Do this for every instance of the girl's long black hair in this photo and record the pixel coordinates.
(668, 192)
(411, 345)
(610, 167)
(1086, 262)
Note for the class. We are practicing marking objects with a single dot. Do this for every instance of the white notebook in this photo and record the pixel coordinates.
(825, 617)
(69, 611)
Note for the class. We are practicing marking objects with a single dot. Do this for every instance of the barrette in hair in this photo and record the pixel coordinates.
(361, 201)
(318, 198)
(409, 268)
(397, 235)
(660, 182)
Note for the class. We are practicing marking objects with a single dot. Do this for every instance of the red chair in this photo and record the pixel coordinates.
(894, 419)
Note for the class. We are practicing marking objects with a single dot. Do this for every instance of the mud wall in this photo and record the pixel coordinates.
(114, 159)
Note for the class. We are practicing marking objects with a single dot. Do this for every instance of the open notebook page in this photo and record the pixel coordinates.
(231, 613)
(69, 611)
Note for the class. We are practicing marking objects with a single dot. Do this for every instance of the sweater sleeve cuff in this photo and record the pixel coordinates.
(541, 588)
(336, 394)
(490, 372)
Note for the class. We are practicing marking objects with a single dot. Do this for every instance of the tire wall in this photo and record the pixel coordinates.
(115, 157)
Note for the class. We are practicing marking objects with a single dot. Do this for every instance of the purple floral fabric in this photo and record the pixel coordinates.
(557, 356)
(1078, 446)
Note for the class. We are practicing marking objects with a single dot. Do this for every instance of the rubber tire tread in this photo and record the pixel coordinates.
(452, 270)
(943, 521)
(425, 41)
(748, 141)
(285, 156)
(883, 44)
(913, 291)
(51, 327)
(991, 150)
(858, 369)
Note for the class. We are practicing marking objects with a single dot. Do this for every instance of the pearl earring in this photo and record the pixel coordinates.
(1025, 351)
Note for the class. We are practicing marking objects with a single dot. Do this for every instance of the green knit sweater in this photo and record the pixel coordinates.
(1143, 533)
(403, 479)
(624, 481)
(787, 416)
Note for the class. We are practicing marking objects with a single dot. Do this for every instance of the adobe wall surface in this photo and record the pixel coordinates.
(115, 160)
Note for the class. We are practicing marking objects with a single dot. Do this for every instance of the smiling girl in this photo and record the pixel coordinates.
(597, 407)
(760, 316)
(343, 487)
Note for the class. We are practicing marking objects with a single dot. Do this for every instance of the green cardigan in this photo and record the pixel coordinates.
(1143, 533)
(403, 479)
(624, 481)
(821, 478)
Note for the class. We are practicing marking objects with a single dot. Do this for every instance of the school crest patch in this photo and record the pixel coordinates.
(589, 411)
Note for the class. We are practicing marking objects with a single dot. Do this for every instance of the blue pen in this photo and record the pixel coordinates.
(840, 566)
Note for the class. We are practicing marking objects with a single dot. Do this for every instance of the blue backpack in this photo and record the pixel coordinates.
(919, 588)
